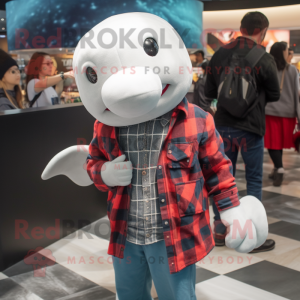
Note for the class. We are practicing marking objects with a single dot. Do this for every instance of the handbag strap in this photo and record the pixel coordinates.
(282, 80)
(34, 99)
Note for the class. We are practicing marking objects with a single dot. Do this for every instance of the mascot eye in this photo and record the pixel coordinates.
(150, 46)
(91, 75)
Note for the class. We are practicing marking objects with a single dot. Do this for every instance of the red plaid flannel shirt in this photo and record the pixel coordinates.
(192, 165)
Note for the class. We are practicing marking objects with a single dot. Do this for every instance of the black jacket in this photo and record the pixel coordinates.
(199, 96)
(267, 81)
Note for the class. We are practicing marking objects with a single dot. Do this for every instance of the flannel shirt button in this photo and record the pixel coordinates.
(148, 235)
(188, 160)
(162, 200)
(168, 236)
(144, 173)
(159, 167)
(172, 263)
(147, 218)
(166, 222)
(170, 151)
(122, 249)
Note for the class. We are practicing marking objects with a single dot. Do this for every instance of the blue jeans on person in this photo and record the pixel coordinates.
(141, 264)
(252, 150)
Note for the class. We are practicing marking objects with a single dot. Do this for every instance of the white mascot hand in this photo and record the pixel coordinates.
(248, 225)
(117, 172)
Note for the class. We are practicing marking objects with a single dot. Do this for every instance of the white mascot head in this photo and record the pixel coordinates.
(131, 68)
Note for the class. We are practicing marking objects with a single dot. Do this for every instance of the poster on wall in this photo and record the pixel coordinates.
(215, 40)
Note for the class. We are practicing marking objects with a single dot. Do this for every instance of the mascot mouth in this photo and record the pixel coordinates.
(164, 89)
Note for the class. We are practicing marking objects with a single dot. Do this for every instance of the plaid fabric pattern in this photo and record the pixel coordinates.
(191, 166)
(142, 144)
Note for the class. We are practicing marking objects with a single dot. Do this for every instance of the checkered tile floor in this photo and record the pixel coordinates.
(83, 270)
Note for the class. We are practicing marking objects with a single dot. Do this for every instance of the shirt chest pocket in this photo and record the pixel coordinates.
(181, 155)
(190, 199)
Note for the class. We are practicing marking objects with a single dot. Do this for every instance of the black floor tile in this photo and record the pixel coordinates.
(243, 193)
(280, 200)
(270, 277)
(285, 214)
(10, 290)
(265, 195)
(57, 283)
(203, 274)
(286, 229)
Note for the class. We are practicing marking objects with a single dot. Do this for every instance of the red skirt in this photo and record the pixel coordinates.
(279, 132)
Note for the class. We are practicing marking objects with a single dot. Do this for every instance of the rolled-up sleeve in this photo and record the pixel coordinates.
(96, 160)
(217, 168)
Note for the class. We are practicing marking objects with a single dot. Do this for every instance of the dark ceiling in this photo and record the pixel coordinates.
(2, 4)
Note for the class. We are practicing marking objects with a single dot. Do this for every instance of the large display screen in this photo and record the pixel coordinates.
(33, 24)
(215, 40)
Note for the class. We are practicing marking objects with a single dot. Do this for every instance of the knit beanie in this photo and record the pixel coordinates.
(6, 62)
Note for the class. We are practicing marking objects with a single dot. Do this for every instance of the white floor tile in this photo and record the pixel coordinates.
(87, 257)
(2, 276)
(222, 260)
(225, 288)
(282, 246)
(291, 189)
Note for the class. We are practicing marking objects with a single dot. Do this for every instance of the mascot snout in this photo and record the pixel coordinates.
(132, 92)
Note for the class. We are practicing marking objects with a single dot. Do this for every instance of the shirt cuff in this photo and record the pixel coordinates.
(97, 178)
(227, 199)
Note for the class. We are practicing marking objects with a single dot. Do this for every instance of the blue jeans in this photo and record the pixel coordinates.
(252, 150)
(141, 264)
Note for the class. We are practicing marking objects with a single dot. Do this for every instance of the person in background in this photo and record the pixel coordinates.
(199, 57)
(40, 81)
(193, 59)
(281, 115)
(10, 90)
(245, 134)
(199, 97)
(290, 55)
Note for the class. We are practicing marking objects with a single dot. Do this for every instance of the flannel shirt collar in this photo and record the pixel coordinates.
(182, 106)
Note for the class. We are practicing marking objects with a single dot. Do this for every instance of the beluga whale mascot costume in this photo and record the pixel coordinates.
(158, 157)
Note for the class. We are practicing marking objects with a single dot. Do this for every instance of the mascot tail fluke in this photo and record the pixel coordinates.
(70, 162)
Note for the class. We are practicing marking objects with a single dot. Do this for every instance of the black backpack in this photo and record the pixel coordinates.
(238, 91)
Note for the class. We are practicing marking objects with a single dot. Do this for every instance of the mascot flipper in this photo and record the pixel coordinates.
(70, 162)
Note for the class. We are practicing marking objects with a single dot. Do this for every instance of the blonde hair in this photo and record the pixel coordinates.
(19, 95)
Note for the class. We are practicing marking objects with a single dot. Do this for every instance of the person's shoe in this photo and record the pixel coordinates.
(268, 245)
(219, 239)
(272, 175)
(278, 177)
